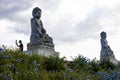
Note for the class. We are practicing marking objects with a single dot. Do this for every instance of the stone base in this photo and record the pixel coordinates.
(111, 59)
(108, 55)
(40, 50)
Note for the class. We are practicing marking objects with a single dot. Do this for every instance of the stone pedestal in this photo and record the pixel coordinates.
(40, 49)
(110, 58)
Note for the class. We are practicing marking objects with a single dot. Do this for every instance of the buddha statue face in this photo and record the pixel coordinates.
(36, 12)
(103, 35)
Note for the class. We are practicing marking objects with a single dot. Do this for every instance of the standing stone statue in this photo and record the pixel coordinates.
(106, 52)
(40, 41)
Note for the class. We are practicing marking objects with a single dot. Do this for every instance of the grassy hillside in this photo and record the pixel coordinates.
(15, 65)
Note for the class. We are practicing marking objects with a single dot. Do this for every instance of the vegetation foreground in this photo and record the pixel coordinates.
(15, 65)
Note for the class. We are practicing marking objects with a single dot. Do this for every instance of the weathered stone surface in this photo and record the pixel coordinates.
(41, 49)
(38, 33)
(106, 53)
(40, 41)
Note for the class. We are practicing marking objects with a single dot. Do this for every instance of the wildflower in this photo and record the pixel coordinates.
(109, 78)
(87, 78)
(1, 50)
(72, 78)
(37, 76)
(4, 77)
(106, 76)
(0, 65)
(69, 70)
(35, 62)
(6, 56)
(36, 70)
(11, 78)
(98, 74)
(17, 72)
(38, 64)
(9, 74)
(9, 66)
(64, 76)
(19, 60)
(5, 72)
(115, 75)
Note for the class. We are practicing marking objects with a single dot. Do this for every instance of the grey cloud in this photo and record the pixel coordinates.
(49, 5)
(89, 28)
(65, 32)
(63, 29)
(20, 29)
(9, 7)
(10, 10)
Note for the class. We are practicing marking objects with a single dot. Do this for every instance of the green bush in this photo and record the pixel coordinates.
(107, 65)
(15, 65)
(54, 63)
(81, 62)
(94, 66)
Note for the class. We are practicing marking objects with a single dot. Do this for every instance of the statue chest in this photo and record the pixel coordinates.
(38, 23)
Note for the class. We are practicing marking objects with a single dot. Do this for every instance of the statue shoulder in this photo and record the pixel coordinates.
(33, 19)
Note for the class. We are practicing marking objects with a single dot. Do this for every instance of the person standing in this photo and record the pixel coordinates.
(20, 45)
(1, 50)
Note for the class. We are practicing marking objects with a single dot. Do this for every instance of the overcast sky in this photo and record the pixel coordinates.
(74, 25)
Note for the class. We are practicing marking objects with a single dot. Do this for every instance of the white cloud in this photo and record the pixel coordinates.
(89, 48)
(8, 37)
(74, 25)
(8, 7)
(107, 3)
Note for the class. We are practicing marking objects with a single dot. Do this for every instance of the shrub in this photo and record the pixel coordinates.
(54, 63)
(94, 66)
(81, 62)
(15, 65)
(107, 65)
